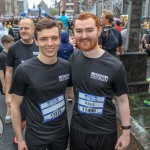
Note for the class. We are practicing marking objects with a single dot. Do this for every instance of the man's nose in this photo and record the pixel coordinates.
(49, 41)
(84, 35)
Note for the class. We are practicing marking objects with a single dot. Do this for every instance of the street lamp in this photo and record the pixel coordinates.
(39, 10)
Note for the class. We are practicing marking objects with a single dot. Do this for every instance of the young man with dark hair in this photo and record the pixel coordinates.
(110, 38)
(96, 77)
(41, 82)
(7, 41)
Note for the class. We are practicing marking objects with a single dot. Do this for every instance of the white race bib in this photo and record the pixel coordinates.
(90, 104)
(52, 108)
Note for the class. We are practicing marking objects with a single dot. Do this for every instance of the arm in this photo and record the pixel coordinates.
(2, 80)
(120, 50)
(142, 42)
(16, 120)
(8, 79)
(124, 112)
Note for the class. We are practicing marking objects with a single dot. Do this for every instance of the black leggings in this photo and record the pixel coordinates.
(84, 141)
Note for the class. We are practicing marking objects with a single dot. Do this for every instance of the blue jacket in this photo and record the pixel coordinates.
(65, 48)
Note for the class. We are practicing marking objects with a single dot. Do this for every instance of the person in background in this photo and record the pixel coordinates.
(14, 31)
(18, 53)
(60, 24)
(3, 32)
(64, 20)
(118, 25)
(7, 41)
(124, 37)
(65, 48)
(110, 38)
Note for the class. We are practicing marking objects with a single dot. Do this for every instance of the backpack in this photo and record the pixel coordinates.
(112, 39)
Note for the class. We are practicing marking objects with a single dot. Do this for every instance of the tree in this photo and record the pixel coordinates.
(53, 11)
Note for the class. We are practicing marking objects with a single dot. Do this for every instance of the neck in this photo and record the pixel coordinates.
(5, 50)
(47, 60)
(94, 53)
(30, 41)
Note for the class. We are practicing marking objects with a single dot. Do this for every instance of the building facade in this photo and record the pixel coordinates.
(2, 7)
(120, 7)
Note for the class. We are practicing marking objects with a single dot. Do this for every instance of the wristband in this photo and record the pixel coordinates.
(126, 127)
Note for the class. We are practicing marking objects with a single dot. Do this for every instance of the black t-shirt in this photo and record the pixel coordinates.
(95, 81)
(14, 32)
(3, 56)
(20, 52)
(43, 87)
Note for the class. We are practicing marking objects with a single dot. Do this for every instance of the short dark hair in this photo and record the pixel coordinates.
(45, 23)
(63, 12)
(7, 39)
(118, 23)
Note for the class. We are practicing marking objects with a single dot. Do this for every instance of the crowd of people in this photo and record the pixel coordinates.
(45, 62)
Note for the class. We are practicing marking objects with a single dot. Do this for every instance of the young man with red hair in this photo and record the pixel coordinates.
(97, 76)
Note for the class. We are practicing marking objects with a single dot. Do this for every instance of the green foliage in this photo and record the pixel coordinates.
(133, 98)
(53, 11)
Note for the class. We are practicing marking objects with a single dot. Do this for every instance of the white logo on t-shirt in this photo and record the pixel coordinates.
(22, 61)
(64, 77)
(35, 53)
(100, 77)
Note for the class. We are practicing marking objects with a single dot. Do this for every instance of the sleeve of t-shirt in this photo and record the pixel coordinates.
(10, 58)
(120, 82)
(18, 85)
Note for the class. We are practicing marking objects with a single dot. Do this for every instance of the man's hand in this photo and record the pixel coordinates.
(120, 50)
(120, 53)
(22, 145)
(123, 141)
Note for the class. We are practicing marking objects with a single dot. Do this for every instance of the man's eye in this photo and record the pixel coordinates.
(54, 38)
(78, 31)
(90, 30)
(43, 39)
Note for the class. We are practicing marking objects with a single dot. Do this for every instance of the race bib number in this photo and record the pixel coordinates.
(90, 104)
(52, 108)
(35, 53)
